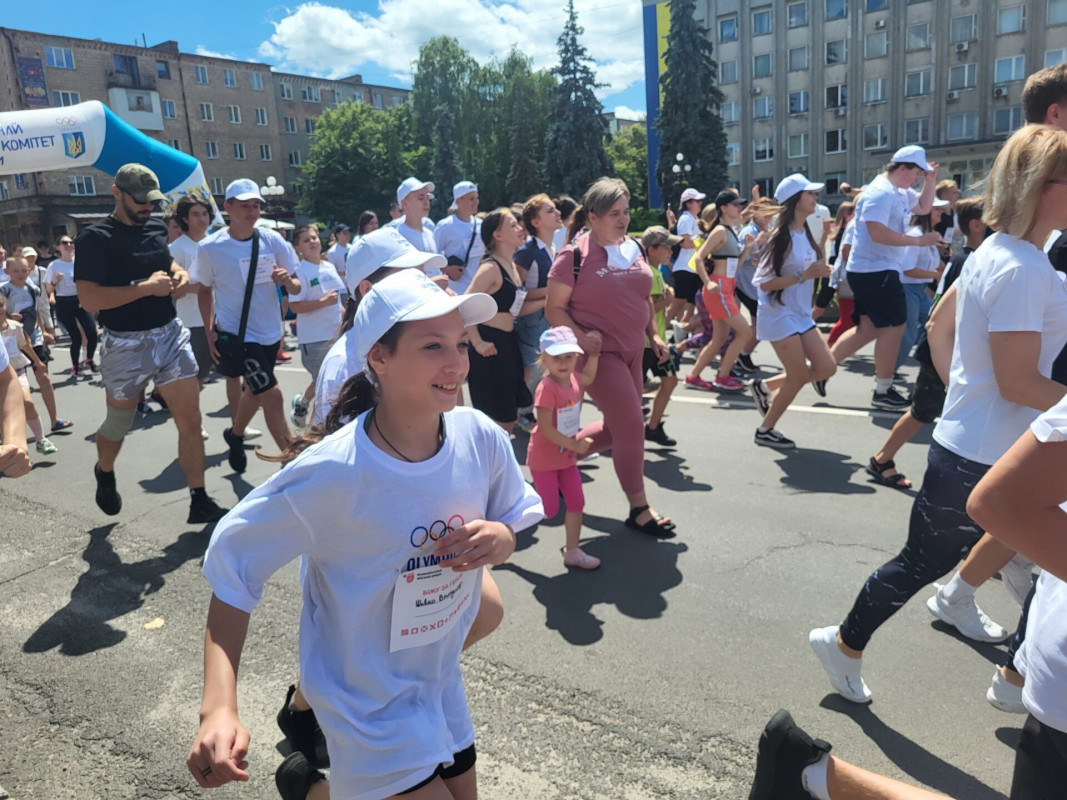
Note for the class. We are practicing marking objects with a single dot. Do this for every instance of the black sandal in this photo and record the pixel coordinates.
(877, 471)
(654, 527)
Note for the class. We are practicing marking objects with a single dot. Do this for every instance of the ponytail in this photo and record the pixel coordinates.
(709, 218)
(581, 217)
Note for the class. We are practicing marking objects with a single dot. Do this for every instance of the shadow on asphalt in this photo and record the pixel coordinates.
(1009, 736)
(671, 473)
(109, 589)
(172, 478)
(820, 471)
(994, 654)
(635, 572)
(913, 759)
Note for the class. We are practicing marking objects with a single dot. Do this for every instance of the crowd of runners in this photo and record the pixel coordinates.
(527, 310)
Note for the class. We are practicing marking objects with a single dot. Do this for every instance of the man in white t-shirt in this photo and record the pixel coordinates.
(686, 280)
(338, 252)
(223, 264)
(194, 217)
(458, 238)
(819, 224)
(414, 197)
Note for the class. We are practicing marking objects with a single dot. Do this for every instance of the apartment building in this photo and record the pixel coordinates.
(240, 119)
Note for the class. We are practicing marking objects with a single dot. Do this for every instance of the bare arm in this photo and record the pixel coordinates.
(307, 306)
(880, 234)
(94, 297)
(926, 197)
(547, 428)
(589, 373)
(556, 312)
(487, 279)
(14, 458)
(816, 269)
(1015, 355)
(712, 243)
(941, 333)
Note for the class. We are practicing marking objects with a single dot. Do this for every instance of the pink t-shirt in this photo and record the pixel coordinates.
(541, 453)
(609, 298)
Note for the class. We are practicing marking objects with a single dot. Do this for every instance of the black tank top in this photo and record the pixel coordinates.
(505, 295)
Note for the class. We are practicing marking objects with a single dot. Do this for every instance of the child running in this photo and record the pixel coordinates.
(657, 242)
(554, 447)
(375, 508)
(20, 356)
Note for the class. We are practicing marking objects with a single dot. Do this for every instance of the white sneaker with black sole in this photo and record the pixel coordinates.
(890, 400)
(760, 395)
(771, 438)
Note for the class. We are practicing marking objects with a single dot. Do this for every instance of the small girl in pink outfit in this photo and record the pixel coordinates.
(554, 447)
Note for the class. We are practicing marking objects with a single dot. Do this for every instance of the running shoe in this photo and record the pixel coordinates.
(282, 357)
(45, 447)
(771, 438)
(295, 777)
(966, 617)
(676, 357)
(75, 370)
(252, 433)
(843, 671)
(302, 732)
(107, 496)
(203, 510)
(577, 557)
(760, 394)
(659, 436)
(90, 365)
(727, 384)
(144, 407)
(679, 331)
(819, 387)
(890, 400)
(746, 363)
(1005, 695)
(204, 434)
(300, 411)
(784, 751)
(1018, 577)
(696, 382)
(237, 457)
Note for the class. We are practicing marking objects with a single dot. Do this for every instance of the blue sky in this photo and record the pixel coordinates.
(378, 40)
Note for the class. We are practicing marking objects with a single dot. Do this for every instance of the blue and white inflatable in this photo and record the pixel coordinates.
(90, 134)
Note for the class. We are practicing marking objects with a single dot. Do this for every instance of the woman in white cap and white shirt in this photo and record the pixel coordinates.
(921, 266)
(387, 691)
(686, 281)
(790, 259)
(883, 214)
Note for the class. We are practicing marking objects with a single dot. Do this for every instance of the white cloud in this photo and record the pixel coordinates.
(203, 51)
(334, 42)
(624, 112)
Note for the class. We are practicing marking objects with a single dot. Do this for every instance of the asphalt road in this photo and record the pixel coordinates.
(650, 678)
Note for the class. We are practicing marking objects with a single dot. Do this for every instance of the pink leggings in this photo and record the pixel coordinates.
(549, 483)
(617, 393)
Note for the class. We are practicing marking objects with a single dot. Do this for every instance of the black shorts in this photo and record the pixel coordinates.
(1040, 762)
(461, 762)
(928, 399)
(880, 296)
(651, 364)
(686, 285)
(496, 383)
(256, 366)
(749, 303)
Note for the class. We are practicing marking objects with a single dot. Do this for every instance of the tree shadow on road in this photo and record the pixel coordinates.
(915, 760)
(634, 574)
(820, 472)
(108, 589)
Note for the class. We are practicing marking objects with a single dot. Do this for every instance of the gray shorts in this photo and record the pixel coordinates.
(130, 359)
(311, 355)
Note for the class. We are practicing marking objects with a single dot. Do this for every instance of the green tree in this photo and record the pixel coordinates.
(690, 121)
(628, 151)
(445, 172)
(524, 178)
(444, 76)
(574, 144)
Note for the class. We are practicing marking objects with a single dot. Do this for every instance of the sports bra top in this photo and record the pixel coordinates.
(730, 248)
(504, 297)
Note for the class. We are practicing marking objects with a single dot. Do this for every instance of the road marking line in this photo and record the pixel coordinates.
(838, 412)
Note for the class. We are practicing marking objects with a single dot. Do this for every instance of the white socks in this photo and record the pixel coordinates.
(36, 428)
(813, 778)
(881, 385)
(957, 589)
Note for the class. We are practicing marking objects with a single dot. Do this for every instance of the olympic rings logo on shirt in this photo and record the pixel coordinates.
(439, 528)
(70, 122)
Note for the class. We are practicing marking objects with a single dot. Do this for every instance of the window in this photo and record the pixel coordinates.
(876, 90)
(211, 149)
(310, 94)
(295, 159)
(163, 69)
(5, 192)
(81, 185)
(962, 76)
(127, 65)
(836, 52)
(309, 126)
(761, 22)
(201, 74)
(835, 141)
(877, 5)
(837, 96)
(207, 112)
(799, 102)
(733, 154)
(376, 99)
(833, 181)
(763, 108)
(290, 124)
(287, 90)
(59, 57)
(235, 114)
(761, 66)
(261, 116)
(917, 83)
(730, 113)
(216, 185)
(798, 145)
(917, 131)
(728, 72)
(169, 110)
(175, 144)
(1057, 12)
(918, 36)
(1012, 68)
(962, 126)
(875, 137)
(728, 29)
(1054, 57)
(798, 58)
(229, 77)
(239, 151)
(1010, 20)
(264, 153)
(257, 81)
(876, 45)
(798, 15)
(60, 98)
(1006, 120)
(836, 9)
(763, 149)
(964, 29)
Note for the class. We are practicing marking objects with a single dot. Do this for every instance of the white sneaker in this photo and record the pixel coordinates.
(679, 331)
(1004, 695)
(204, 434)
(252, 433)
(843, 672)
(1017, 577)
(966, 617)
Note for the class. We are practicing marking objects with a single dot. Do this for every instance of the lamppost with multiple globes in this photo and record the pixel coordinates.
(270, 191)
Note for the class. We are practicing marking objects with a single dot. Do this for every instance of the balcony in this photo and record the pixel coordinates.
(124, 80)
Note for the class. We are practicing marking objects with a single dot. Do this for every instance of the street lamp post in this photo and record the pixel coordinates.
(681, 170)
(271, 190)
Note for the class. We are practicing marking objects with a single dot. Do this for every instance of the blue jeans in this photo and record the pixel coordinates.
(919, 304)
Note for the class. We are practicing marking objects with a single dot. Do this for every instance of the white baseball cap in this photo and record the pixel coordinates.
(411, 185)
(939, 203)
(462, 188)
(691, 194)
(793, 184)
(243, 189)
(385, 247)
(409, 296)
(912, 154)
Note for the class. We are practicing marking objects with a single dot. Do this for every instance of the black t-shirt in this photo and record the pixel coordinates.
(112, 254)
(1057, 254)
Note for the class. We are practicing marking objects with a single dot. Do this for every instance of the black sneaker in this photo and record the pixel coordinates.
(303, 734)
(784, 751)
(203, 510)
(760, 395)
(675, 356)
(745, 362)
(771, 438)
(659, 436)
(890, 400)
(819, 387)
(107, 496)
(295, 777)
(237, 457)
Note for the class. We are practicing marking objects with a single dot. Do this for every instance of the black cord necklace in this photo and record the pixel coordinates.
(440, 437)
